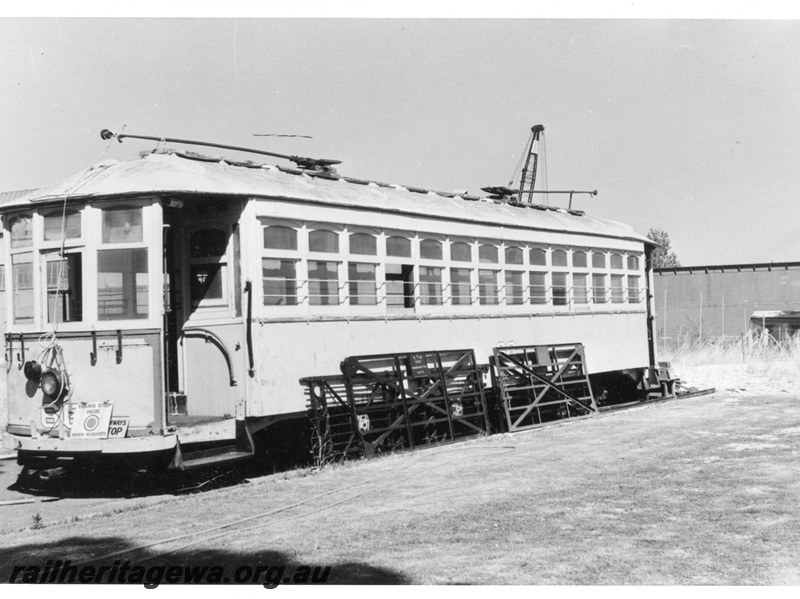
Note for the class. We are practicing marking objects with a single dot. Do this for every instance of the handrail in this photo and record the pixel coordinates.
(211, 337)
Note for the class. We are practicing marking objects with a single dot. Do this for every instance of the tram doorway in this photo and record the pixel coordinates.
(203, 328)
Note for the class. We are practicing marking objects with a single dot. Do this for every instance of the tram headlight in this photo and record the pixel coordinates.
(52, 383)
(32, 370)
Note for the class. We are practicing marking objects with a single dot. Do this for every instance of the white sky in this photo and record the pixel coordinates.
(683, 124)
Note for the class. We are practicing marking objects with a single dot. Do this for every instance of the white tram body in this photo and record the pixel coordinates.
(182, 297)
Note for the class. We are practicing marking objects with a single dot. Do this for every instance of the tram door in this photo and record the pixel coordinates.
(204, 328)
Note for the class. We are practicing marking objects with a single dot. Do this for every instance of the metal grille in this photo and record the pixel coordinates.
(540, 383)
(389, 402)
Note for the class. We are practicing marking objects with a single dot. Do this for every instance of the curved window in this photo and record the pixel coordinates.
(278, 237)
(598, 260)
(633, 262)
(53, 224)
(398, 246)
(323, 241)
(559, 258)
(21, 227)
(513, 255)
(579, 259)
(616, 261)
(488, 254)
(364, 244)
(460, 252)
(538, 257)
(430, 249)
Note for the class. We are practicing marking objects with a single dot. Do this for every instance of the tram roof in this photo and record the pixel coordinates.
(177, 173)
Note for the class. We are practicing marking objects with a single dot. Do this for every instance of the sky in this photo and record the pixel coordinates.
(688, 125)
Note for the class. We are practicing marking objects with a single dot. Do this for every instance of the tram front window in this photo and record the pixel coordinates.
(122, 289)
(65, 289)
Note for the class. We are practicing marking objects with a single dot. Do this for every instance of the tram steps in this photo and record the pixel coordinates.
(217, 455)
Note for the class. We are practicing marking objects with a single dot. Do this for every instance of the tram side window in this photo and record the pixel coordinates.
(560, 289)
(633, 290)
(633, 262)
(514, 287)
(460, 252)
(65, 289)
(323, 283)
(363, 289)
(599, 289)
(277, 237)
(538, 288)
(430, 278)
(487, 279)
(279, 281)
(363, 244)
(616, 261)
(460, 291)
(279, 274)
(460, 284)
(487, 287)
(399, 247)
(538, 257)
(559, 258)
(399, 286)
(22, 281)
(122, 286)
(598, 260)
(399, 277)
(580, 293)
(323, 241)
(617, 292)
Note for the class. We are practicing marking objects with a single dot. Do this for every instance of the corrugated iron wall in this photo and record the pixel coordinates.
(717, 301)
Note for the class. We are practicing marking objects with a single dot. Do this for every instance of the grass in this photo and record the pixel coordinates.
(697, 491)
(754, 347)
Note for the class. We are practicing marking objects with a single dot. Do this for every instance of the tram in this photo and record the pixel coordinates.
(162, 310)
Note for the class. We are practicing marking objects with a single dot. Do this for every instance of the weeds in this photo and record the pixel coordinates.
(757, 347)
(37, 521)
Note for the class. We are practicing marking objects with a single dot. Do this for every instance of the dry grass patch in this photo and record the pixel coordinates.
(698, 491)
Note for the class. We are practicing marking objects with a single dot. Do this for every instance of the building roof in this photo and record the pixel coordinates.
(724, 268)
(176, 173)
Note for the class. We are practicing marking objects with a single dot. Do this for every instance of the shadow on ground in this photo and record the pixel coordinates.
(121, 482)
(276, 567)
